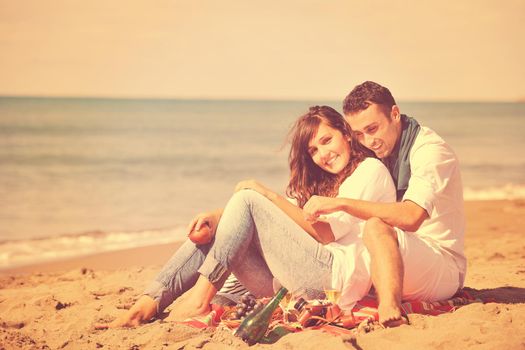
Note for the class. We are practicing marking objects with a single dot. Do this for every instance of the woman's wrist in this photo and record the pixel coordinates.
(218, 213)
(344, 205)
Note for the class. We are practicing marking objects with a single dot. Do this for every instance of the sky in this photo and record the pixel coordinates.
(472, 50)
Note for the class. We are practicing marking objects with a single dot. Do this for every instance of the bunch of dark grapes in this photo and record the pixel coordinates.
(247, 306)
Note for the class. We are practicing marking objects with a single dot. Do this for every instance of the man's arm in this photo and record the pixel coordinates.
(406, 215)
(432, 162)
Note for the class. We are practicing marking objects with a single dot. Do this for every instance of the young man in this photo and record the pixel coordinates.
(415, 244)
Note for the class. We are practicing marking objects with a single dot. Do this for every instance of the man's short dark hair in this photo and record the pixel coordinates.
(363, 95)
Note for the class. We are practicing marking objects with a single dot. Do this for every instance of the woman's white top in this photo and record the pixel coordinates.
(370, 181)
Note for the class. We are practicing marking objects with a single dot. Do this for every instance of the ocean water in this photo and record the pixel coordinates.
(80, 176)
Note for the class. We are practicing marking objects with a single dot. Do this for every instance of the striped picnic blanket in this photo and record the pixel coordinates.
(363, 310)
(367, 307)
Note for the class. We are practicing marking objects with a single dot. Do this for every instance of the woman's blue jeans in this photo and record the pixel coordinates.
(257, 242)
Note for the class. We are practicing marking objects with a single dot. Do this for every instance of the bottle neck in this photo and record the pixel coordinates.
(279, 296)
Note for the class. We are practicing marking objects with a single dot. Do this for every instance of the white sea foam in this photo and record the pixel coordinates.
(509, 191)
(31, 251)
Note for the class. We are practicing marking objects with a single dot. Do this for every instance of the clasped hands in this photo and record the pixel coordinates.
(318, 206)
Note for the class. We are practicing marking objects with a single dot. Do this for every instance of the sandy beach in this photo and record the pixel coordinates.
(54, 305)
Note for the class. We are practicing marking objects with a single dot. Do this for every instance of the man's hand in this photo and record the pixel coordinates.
(252, 185)
(317, 206)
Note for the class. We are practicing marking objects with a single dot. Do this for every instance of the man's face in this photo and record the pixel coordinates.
(376, 130)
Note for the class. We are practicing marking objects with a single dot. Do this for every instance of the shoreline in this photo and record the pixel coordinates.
(158, 254)
(151, 255)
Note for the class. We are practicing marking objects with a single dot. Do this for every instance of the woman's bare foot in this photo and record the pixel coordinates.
(142, 311)
(186, 309)
(196, 301)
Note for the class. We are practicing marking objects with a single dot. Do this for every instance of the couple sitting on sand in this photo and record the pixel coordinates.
(395, 222)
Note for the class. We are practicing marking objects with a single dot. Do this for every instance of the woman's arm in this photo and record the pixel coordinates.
(319, 230)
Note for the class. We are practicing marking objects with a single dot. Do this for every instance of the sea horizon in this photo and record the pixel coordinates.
(516, 100)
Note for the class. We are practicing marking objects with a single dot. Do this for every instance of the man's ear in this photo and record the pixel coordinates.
(395, 114)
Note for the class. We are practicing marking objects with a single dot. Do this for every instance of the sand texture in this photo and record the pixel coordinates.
(54, 306)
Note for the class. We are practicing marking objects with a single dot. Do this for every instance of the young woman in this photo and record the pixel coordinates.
(261, 235)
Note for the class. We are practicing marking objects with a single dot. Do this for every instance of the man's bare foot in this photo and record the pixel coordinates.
(142, 311)
(369, 325)
(390, 316)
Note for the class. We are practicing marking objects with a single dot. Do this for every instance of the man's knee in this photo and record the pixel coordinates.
(377, 231)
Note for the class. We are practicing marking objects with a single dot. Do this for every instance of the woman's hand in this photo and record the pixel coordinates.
(252, 185)
(317, 206)
(210, 218)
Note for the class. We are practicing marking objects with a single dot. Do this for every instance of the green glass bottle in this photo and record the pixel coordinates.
(254, 326)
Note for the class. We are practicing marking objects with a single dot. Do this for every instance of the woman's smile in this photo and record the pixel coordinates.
(330, 161)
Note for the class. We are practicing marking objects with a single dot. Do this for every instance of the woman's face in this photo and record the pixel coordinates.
(329, 149)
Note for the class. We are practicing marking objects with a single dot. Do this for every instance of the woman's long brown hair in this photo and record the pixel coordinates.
(306, 177)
